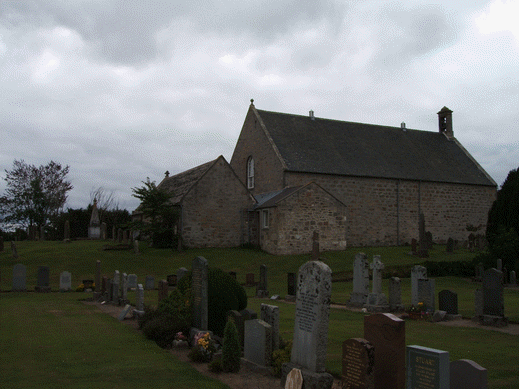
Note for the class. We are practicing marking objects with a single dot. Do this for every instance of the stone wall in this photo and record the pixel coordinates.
(385, 211)
(253, 142)
(294, 219)
(214, 210)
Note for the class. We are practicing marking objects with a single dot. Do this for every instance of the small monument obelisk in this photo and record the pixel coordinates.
(94, 228)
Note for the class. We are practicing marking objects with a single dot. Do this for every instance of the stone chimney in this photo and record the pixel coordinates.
(445, 122)
(311, 115)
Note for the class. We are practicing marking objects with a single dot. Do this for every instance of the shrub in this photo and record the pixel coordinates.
(215, 366)
(280, 356)
(231, 350)
(224, 294)
(178, 303)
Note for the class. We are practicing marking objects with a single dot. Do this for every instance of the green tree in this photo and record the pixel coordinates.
(159, 215)
(231, 350)
(503, 222)
(34, 195)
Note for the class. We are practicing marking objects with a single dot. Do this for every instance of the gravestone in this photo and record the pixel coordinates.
(124, 312)
(66, 232)
(427, 368)
(294, 379)
(395, 295)
(478, 304)
(450, 245)
(499, 264)
(377, 301)
(513, 278)
(467, 374)
(249, 279)
(43, 279)
(422, 251)
(261, 288)
(104, 284)
(314, 287)
(140, 297)
(115, 287)
(291, 284)
(358, 364)
(493, 300)
(199, 290)
(479, 270)
(248, 314)
(150, 283)
(258, 342)
(14, 251)
(42, 233)
(98, 278)
(124, 287)
(163, 290)
(270, 314)
(65, 281)
(103, 231)
(386, 333)
(417, 273)
(360, 280)
(132, 281)
(19, 278)
(426, 293)
(136, 247)
(448, 302)
(239, 323)
(181, 272)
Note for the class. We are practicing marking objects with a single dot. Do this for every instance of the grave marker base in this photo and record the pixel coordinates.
(311, 380)
(493, 321)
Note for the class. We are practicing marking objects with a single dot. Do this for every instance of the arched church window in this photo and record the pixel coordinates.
(250, 173)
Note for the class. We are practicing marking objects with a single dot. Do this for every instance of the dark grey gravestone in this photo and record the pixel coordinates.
(132, 281)
(19, 278)
(181, 272)
(426, 293)
(14, 251)
(360, 280)
(163, 290)
(448, 302)
(261, 288)
(258, 342)
(358, 364)
(493, 303)
(150, 283)
(140, 298)
(478, 303)
(291, 284)
(65, 281)
(248, 314)
(115, 287)
(395, 295)
(427, 368)
(314, 287)
(467, 374)
(499, 264)
(270, 314)
(43, 279)
(513, 278)
(386, 333)
(417, 273)
(199, 290)
(450, 245)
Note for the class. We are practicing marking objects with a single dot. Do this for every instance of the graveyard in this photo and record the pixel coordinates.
(50, 321)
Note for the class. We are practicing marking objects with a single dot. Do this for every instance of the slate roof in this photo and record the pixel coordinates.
(181, 183)
(356, 149)
(270, 199)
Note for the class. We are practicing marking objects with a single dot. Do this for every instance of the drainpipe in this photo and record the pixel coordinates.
(398, 212)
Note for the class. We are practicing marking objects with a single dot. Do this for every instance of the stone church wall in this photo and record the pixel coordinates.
(386, 211)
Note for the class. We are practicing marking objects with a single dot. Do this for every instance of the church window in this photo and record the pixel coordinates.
(265, 216)
(250, 173)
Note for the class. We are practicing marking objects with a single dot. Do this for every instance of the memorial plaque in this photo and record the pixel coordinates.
(386, 333)
(358, 361)
(427, 368)
(199, 290)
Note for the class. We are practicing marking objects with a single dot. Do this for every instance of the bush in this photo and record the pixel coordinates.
(178, 303)
(281, 356)
(452, 268)
(224, 294)
(231, 350)
(215, 366)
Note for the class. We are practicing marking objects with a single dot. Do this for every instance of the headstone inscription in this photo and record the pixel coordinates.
(467, 374)
(19, 278)
(150, 283)
(199, 290)
(358, 363)
(65, 281)
(417, 273)
(258, 342)
(360, 280)
(314, 286)
(427, 368)
(386, 333)
(270, 314)
(43, 279)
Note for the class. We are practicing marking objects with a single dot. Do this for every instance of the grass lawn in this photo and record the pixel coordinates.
(48, 337)
(55, 341)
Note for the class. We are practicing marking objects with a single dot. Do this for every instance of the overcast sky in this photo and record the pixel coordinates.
(121, 90)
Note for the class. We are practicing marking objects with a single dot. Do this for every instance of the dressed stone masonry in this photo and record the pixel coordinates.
(314, 288)
(258, 342)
